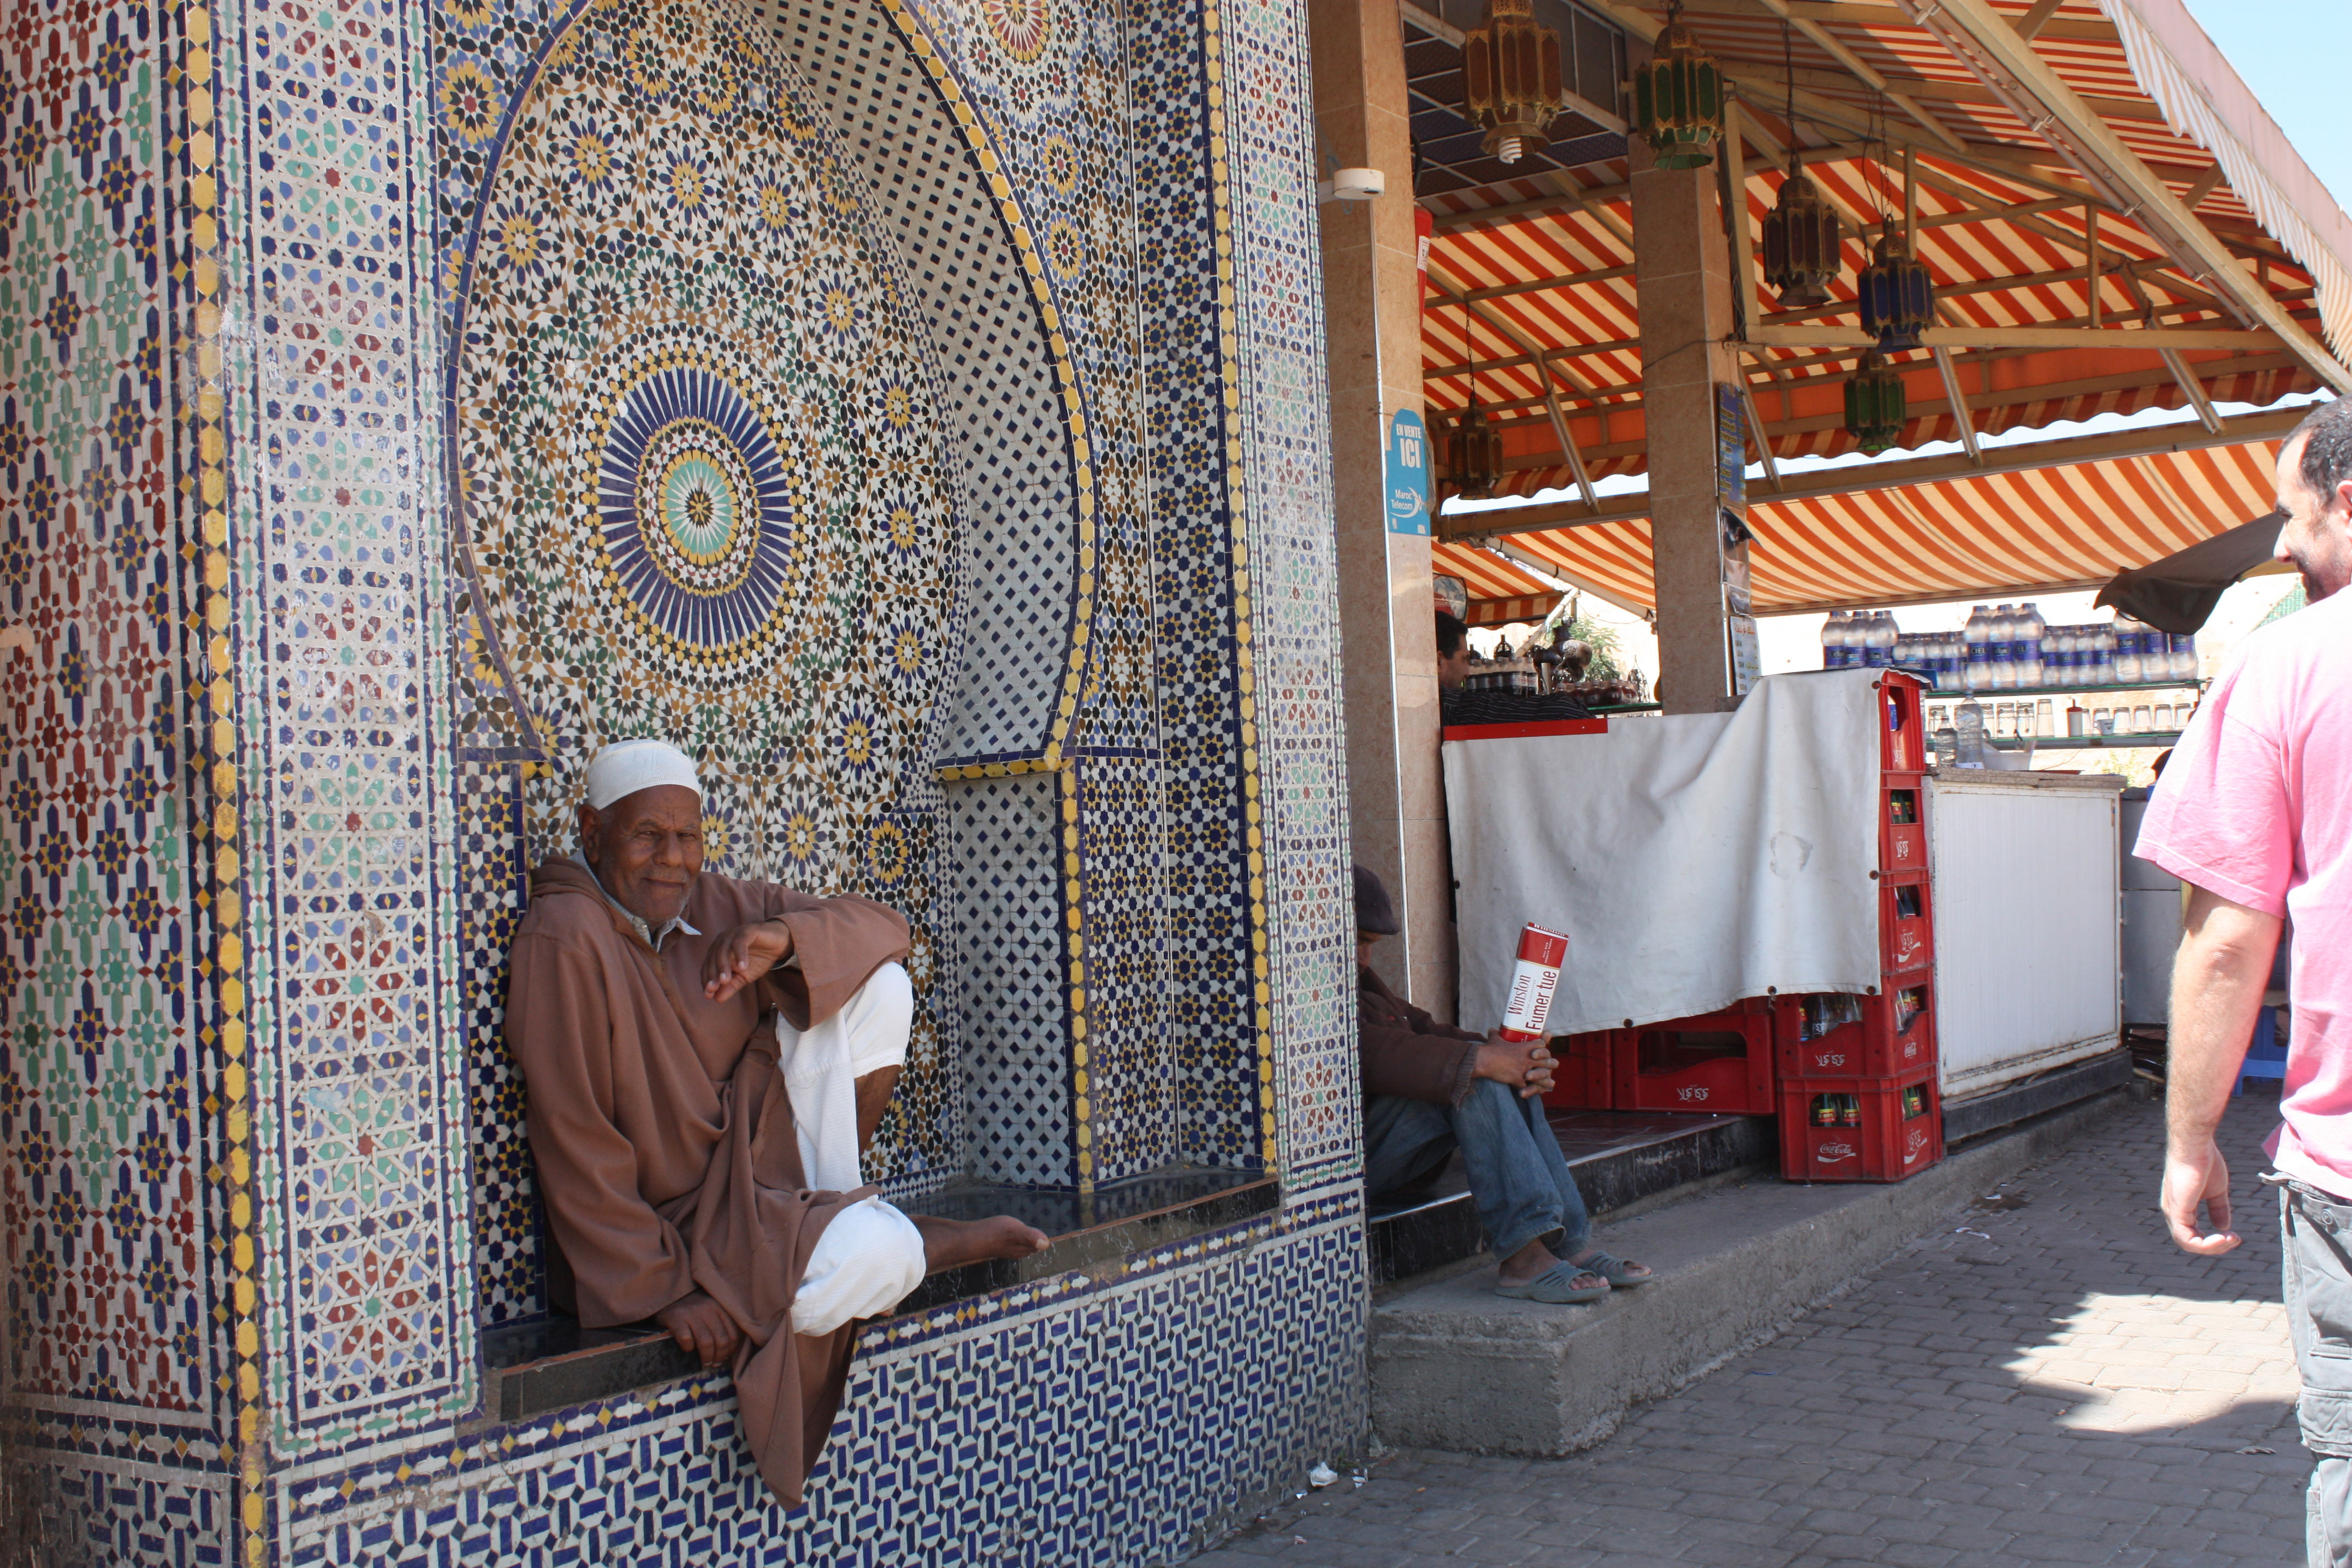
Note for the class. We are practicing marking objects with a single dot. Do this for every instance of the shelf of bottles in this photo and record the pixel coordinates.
(2157, 739)
(2009, 679)
(2012, 649)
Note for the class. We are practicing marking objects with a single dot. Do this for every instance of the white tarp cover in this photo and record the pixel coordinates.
(1690, 861)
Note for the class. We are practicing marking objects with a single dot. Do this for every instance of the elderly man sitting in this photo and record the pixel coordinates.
(706, 1060)
(1429, 1089)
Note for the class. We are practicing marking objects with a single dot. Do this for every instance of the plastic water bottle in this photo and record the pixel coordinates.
(1874, 649)
(2058, 655)
(1968, 720)
(2184, 655)
(2102, 668)
(1951, 662)
(1833, 640)
(2031, 631)
(1947, 747)
(1975, 645)
(2127, 651)
(2001, 653)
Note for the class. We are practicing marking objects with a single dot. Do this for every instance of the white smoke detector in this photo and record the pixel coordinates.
(1352, 185)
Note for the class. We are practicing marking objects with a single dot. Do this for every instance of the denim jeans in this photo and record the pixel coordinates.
(2317, 1230)
(1518, 1178)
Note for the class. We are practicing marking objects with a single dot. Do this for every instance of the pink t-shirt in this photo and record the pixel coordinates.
(2256, 805)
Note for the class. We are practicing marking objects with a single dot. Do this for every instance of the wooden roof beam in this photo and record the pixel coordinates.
(2041, 336)
(2028, 26)
(1829, 43)
(1884, 14)
(2156, 340)
(1979, 36)
(1538, 285)
(1818, 81)
(1982, 403)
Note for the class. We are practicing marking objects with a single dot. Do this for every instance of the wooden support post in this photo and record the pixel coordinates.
(2206, 415)
(1959, 403)
(1685, 290)
(2091, 259)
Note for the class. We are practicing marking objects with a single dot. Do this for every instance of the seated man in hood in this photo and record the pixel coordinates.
(1429, 1089)
(706, 1059)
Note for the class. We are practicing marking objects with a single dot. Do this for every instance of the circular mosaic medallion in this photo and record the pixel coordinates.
(1020, 27)
(696, 512)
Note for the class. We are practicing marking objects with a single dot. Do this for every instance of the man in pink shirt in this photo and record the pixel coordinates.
(2255, 814)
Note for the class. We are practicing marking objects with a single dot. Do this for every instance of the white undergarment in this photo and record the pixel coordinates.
(871, 1255)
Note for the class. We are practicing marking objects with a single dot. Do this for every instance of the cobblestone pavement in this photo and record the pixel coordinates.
(2052, 1382)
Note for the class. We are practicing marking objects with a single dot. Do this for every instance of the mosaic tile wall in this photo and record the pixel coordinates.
(1096, 306)
(1282, 447)
(334, 827)
(1166, 1400)
(107, 1268)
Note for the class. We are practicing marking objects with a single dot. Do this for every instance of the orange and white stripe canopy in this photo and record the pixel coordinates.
(2047, 529)
(1500, 591)
(1531, 298)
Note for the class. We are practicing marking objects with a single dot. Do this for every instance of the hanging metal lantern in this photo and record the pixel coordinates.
(1678, 99)
(1896, 296)
(1874, 403)
(1801, 235)
(1510, 78)
(1474, 452)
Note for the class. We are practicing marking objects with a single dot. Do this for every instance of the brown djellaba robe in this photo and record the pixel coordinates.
(662, 1132)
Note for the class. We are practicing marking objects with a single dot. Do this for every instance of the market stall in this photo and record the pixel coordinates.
(1745, 901)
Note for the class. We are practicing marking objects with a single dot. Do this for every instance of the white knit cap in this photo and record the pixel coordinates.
(625, 767)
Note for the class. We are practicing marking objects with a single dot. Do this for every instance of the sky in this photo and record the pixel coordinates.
(2292, 53)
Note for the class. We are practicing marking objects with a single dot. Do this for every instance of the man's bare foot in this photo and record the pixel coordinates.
(1526, 1263)
(952, 1243)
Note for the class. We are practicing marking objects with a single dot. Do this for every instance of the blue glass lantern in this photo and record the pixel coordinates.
(1896, 297)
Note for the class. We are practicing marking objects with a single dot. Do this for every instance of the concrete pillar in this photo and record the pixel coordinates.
(1682, 272)
(1372, 326)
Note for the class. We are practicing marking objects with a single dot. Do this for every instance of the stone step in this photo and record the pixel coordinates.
(1619, 1158)
(1455, 1366)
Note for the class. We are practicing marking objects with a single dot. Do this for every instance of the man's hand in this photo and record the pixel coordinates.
(1523, 1065)
(2218, 975)
(2198, 1177)
(742, 955)
(701, 1328)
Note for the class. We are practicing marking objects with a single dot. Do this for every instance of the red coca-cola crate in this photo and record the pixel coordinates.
(1885, 1129)
(1868, 1036)
(1903, 826)
(1906, 932)
(1902, 730)
(1581, 1082)
(1716, 1062)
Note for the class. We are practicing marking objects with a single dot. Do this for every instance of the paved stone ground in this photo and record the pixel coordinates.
(2052, 1382)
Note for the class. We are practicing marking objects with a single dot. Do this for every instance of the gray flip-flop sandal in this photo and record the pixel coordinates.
(1618, 1271)
(1561, 1285)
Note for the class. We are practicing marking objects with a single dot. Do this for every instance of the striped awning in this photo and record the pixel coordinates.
(1500, 591)
(1531, 304)
(2043, 530)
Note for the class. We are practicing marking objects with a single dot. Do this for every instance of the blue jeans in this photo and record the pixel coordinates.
(1518, 1178)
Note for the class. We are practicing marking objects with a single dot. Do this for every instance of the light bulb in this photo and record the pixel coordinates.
(1510, 150)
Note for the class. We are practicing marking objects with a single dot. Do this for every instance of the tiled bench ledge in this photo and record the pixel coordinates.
(551, 1362)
